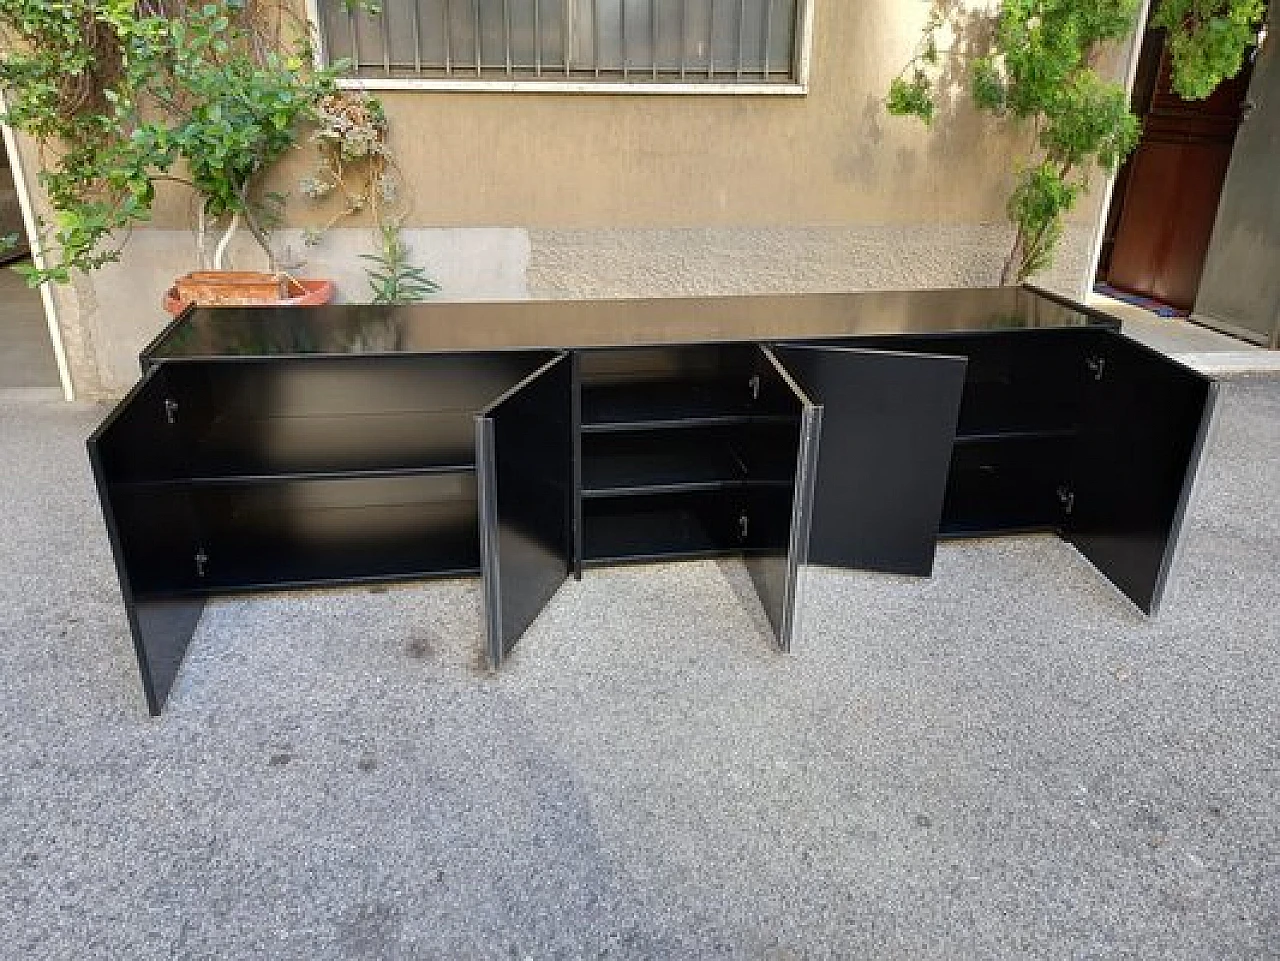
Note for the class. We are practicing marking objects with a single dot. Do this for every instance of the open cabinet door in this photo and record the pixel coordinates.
(1143, 434)
(888, 428)
(151, 528)
(774, 523)
(524, 455)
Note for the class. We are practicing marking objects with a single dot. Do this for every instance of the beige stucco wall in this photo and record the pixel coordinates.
(832, 157)
(598, 194)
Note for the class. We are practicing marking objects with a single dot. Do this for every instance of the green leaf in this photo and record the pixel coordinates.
(912, 98)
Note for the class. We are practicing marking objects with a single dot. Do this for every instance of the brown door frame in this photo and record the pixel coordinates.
(1100, 221)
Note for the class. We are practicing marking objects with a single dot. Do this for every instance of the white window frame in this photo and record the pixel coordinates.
(798, 86)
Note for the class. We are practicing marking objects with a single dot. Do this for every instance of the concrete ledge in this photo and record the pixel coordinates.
(1200, 348)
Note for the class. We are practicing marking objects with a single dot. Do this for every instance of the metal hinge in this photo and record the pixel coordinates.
(171, 410)
(202, 561)
(754, 384)
(1097, 366)
(744, 526)
(1067, 498)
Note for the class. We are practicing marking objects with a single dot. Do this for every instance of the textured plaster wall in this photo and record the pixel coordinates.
(832, 157)
(589, 195)
(672, 261)
(119, 306)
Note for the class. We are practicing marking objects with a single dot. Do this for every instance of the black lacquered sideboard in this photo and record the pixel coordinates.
(523, 442)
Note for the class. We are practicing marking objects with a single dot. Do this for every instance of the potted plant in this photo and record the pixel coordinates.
(123, 97)
(355, 174)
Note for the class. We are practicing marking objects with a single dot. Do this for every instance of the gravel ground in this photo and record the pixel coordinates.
(1005, 761)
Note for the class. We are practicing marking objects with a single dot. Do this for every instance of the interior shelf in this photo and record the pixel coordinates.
(994, 410)
(1013, 434)
(694, 462)
(655, 405)
(1005, 488)
(293, 532)
(233, 480)
(405, 440)
(660, 528)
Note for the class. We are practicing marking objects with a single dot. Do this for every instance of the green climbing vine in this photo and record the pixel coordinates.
(1037, 69)
(1208, 40)
(122, 95)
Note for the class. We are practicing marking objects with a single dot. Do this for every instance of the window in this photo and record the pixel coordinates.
(728, 43)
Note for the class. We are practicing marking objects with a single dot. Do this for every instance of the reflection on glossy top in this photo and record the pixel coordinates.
(500, 325)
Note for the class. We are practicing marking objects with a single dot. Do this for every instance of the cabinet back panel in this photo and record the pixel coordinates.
(1015, 380)
(294, 532)
(690, 362)
(337, 414)
(1006, 486)
(676, 525)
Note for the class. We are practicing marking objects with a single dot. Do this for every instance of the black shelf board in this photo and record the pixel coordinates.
(284, 533)
(662, 557)
(684, 423)
(958, 532)
(686, 487)
(334, 443)
(661, 405)
(231, 480)
(384, 542)
(659, 528)
(314, 583)
(678, 468)
(1014, 434)
(997, 409)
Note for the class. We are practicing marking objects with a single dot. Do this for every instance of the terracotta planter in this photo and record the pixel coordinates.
(245, 288)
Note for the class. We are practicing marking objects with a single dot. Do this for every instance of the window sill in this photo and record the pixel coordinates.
(624, 87)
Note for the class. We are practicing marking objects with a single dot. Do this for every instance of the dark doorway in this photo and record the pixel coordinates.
(10, 214)
(27, 361)
(1166, 195)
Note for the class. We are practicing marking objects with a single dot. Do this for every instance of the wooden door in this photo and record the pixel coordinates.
(1171, 189)
(1246, 238)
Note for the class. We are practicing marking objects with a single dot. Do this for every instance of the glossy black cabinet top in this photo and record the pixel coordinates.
(500, 325)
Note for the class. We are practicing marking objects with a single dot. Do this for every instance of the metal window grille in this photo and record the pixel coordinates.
(689, 41)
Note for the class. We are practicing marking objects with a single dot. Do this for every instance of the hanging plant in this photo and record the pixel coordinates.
(357, 174)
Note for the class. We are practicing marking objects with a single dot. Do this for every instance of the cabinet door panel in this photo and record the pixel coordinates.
(1145, 425)
(152, 531)
(888, 428)
(524, 455)
(775, 528)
